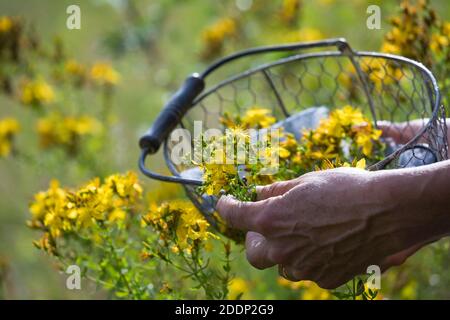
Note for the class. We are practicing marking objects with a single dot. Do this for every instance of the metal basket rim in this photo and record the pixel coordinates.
(304, 56)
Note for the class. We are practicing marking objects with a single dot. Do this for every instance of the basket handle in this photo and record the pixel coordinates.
(171, 114)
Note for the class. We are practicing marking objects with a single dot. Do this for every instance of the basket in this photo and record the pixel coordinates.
(292, 79)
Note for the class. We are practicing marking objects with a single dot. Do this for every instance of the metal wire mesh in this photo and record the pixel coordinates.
(387, 90)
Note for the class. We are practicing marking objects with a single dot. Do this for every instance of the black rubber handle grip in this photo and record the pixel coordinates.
(172, 113)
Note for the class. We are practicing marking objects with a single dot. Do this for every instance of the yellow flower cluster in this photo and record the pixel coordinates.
(258, 117)
(218, 177)
(234, 172)
(214, 36)
(347, 123)
(345, 138)
(417, 32)
(37, 92)
(439, 42)
(239, 288)
(74, 67)
(103, 73)
(308, 289)
(56, 129)
(381, 72)
(11, 39)
(180, 226)
(255, 117)
(9, 127)
(76, 70)
(59, 211)
(303, 35)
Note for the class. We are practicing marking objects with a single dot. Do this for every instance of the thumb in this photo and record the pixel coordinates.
(247, 216)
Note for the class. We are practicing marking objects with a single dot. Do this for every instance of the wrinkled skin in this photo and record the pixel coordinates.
(329, 226)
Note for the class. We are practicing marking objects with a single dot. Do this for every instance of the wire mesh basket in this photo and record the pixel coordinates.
(290, 79)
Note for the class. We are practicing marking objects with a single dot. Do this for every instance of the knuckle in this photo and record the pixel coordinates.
(273, 188)
(264, 223)
(254, 260)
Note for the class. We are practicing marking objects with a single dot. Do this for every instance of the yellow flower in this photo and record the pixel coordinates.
(9, 127)
(412, 33)
(446, 29)
(238, 288)
(214, 36)
(288, 284)
(51, 200)
(303, 35)
(290, 11)
(74, 67)
(284, 153)
(409, 291)
(103, 73)
(312, 291)
(361, 164)
(438, 43)
(6, 24)
(309, 290)
(76, 71)
(37, 92)
(180, 224)
(58, 130)
(392, 48)
(257, 117)
(344, 124)
(60, 211)
(117, 215)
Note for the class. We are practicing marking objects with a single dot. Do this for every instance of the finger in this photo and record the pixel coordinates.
(256, 249)
(399, 258)
(274, 189)
(391, 130)
(247, 216)
(289, 273)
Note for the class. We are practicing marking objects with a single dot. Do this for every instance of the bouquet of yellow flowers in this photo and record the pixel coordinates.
(345, 138)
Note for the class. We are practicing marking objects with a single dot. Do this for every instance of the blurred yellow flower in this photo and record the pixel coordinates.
(6, 24)
(257, 117)
(76, 70)
(409, 291)
(308, 289)
(9, 127)
(290, 11)
(324, 142)
(59, 211)
(56, 129)
(104, 73)
(239, 288)
(37, 92)
(311, 291)
(416, 33)
(446, 29)
(288, 284)
(180, 225)
(74, 67)
(439, 42)
(392, 48)
(214, 36)
(303, 35)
